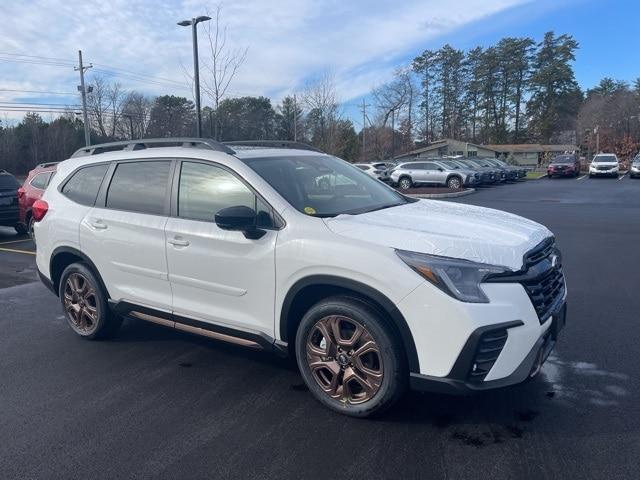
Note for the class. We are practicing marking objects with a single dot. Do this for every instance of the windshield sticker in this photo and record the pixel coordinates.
(309, 210)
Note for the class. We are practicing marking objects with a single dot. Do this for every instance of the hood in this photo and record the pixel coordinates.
(447, 229)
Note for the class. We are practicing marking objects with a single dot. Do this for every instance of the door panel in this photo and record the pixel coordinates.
(221, 276)
(129, 251)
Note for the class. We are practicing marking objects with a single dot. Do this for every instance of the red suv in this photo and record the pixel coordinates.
(564, 166)
(30, 191)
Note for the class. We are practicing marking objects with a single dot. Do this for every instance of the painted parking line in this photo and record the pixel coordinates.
(583, 176)
(16, 241)
(543, 176)
(622, 177)
(12, 250)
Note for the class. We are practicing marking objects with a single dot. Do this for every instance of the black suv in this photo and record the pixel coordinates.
(9, 213)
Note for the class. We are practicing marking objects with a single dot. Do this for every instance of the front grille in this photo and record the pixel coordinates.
(541, 276)
(545, 291)
(487, 352)
(605, 167)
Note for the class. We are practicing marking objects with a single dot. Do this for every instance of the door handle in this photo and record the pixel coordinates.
(178, 242)
(98, 224)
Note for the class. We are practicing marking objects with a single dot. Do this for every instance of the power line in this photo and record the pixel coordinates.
(36, 91)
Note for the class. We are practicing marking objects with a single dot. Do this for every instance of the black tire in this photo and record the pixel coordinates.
(454, 182)
(390, 380)
(405, 183)
(103, 323)
(20, 228)
(31, 232)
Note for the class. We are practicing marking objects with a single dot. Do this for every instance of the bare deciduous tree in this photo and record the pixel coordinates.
(221, 63)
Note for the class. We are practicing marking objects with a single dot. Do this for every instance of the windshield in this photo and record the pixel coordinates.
(450, 164)
(8, 182)
(563, 159)
(324, 186)
(605, 158)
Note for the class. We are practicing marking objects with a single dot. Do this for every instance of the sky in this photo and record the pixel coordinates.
(289, 43)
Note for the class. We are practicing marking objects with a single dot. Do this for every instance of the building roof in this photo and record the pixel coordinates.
(439, 144)
(532, 148)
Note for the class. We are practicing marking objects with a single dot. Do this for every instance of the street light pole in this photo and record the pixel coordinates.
(196, 68)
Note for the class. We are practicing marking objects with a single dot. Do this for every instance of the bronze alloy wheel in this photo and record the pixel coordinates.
(344, 359)
(80, 303)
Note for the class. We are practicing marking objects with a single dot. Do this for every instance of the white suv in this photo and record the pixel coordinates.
(299, 252)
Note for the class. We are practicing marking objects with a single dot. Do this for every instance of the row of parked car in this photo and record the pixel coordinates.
(602, 164)
(452, 173)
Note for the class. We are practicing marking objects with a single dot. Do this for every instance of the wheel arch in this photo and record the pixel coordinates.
(62, 257)
(309, 290)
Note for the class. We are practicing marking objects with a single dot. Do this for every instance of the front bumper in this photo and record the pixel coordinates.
(609, 172)
(458, 383)
(445, 331)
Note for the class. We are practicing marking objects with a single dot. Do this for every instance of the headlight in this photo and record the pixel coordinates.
(460, 279)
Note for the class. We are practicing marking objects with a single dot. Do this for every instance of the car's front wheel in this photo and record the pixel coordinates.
(405, 183)
(454, 183)
(349, 358)
(85, 303)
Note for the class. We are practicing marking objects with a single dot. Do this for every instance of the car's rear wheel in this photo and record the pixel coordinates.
(454, 183)
(31, 232)
(85, 303)
(349, 358)
(405, 183)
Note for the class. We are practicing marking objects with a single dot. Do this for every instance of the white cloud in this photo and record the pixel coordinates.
(289, 41)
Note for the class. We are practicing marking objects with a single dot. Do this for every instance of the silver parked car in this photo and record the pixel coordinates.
(634, 171)
(434, 172)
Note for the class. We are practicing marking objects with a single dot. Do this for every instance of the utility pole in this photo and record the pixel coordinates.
(393, 133)
(364, 127)
(85, 117)
(597, 132)
(295, 119)
(130, 117)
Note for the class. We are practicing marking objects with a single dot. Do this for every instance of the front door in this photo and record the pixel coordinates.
(217, 275)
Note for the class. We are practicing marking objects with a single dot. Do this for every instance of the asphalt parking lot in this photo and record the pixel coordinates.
(159, 403)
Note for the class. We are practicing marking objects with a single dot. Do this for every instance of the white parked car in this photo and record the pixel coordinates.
(604, 164)
(370, 290)
(377, 170)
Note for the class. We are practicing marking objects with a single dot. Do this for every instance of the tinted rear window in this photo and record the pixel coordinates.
(83, 186)
(41, 180)
(140, 187)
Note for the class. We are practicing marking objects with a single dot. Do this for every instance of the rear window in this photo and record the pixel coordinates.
(8, 181)
(83, 186)
(140, 187)
(41, 180)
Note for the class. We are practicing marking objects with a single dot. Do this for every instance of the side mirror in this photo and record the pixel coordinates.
(440, 169)
(239, 218)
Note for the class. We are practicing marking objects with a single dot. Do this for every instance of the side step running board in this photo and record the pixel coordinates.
(219, 332)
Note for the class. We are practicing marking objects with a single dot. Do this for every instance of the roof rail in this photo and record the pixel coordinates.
(144, 143)
(46, 164)
(272, 144)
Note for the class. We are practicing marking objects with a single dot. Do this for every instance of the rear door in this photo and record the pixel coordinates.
(432, 174)
(217, 275)
(124, 233)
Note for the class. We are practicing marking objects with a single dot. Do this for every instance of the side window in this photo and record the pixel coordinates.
(83, 186)
(429, 166)
(206, 189)
(41, 180)
(140, 187)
